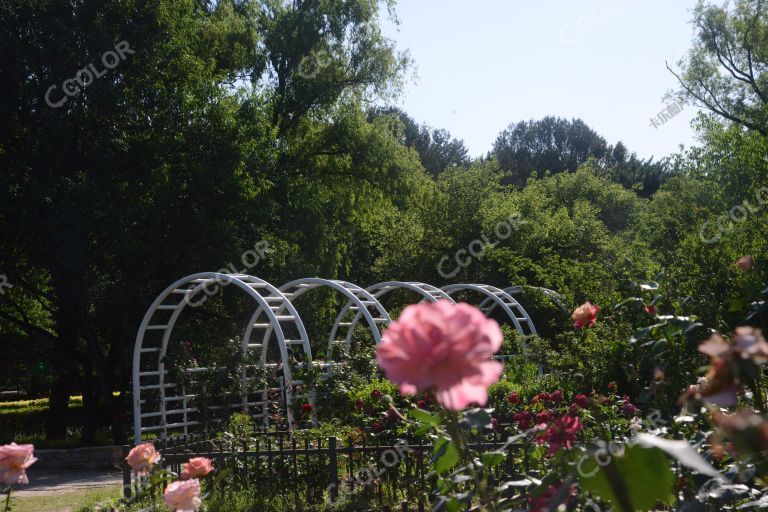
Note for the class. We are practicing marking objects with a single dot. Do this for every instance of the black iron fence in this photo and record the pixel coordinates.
(307, 470)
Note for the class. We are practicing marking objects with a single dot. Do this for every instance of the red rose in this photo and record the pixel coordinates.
(513, 398)
(556, 396)
(523, 419)
(581, 400)
(544, 416)
(306, 408)
(629, 409)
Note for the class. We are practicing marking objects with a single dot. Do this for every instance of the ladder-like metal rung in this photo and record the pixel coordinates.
(157, 327)
(368, 302)
(150, 349)
(280, 318)
(294, 342)
(180, 398)
(262, 391)
(183, 290)
(287, 295)
(167, 306)
(336, 342)
(273, 299)
(381, 320)
(255, 345)
(157, 386)
(261, 326)
(345, 324)
(152, 373)
(167, 413)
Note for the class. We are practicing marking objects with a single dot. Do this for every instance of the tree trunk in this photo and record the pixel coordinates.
(90, 410)
(58, 405)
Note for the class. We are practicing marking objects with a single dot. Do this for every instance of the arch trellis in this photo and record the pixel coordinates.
(166, 407)
(171, 412)
(358, 299)
(555, 297)
(427, 293)
(496, 297)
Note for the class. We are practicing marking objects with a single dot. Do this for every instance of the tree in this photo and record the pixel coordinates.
(551, 144)
(726, 70)
(176, 159)
(436, 148)
(554, 145)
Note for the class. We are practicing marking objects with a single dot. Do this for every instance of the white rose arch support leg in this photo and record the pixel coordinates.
(168, 410)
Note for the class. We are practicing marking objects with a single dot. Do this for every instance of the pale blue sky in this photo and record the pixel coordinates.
(483, 64)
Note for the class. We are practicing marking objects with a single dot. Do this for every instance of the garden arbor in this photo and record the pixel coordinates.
(164, 407)
(275, 346)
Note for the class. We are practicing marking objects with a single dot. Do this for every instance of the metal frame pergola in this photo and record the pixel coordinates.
(275, 317)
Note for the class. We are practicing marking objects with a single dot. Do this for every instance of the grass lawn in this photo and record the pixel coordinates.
(63, 502)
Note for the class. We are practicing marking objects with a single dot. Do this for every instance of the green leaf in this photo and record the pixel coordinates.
(642, 475)
(492, 459)
(424, 417)
(682, 451)
(445, 456)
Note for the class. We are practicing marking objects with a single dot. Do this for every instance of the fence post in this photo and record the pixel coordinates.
(126, 473)
(333, 468)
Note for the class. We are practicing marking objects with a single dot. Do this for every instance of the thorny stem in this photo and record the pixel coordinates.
(481, 483)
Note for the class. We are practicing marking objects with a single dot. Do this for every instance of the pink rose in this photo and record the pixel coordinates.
(585, 315)
(196, 467)
(183, 496)
(442, 346)
(745, 263)
(14, 461)
(142, 458)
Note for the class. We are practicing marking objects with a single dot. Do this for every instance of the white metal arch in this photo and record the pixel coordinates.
(161, 318)
(554, 296)
(498, 297)
(428, 293)
(358, 300)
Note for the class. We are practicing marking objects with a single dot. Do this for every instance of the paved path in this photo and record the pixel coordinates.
(45, 483)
